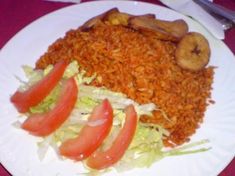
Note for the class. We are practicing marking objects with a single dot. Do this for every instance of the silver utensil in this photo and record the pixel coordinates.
(225, 16)
(218, 9)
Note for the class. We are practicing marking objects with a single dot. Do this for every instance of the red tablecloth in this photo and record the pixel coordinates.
(16, 14)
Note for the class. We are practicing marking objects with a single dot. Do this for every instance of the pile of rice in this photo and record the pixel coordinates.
(144, 69)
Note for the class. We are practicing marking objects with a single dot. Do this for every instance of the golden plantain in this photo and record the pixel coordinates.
(160, 29)
(193, 52)
(97, 19)
(113, 17)
(120, 18)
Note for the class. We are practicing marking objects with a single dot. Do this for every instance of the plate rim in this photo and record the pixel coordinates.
(6, 45)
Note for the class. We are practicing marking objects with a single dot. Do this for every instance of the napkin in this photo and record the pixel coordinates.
(190, 8)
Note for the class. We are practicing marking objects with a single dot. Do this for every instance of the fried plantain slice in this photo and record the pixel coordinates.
(120, 18)
(164, 30)
(193, 52)
(113, 17)
(117, 18)
(97, 19)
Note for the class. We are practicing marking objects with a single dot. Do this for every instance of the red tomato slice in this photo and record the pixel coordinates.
(90, 137)
(35, 94)
(45, 123)
(104, 159)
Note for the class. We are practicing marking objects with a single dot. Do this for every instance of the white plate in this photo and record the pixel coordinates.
(18, 150)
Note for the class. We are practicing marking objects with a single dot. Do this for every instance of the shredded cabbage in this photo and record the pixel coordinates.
(147, 145)
(145, 149)
(118, 100)
(48, 103)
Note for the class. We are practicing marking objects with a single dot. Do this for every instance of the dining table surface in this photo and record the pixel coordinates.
(17, 14)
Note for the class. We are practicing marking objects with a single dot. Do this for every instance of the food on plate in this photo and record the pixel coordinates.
(97, 20)
(142, 67)
(120, 18)
(140, 88)
(112, 16)
(147, 24)
(86, 142)
(104, 159)
(43, 124)
(160, 29)
(23, 100)
(193, 52)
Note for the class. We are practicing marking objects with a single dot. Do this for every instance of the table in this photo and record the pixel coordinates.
(16, 14)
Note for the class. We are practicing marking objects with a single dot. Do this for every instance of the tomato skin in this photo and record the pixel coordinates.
(90, 137)
(103, 159)
(44, 124)
(35, 94)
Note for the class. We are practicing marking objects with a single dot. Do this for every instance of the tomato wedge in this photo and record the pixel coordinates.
(35, 94)
(44, 124)
(103, 159)
(90, 137)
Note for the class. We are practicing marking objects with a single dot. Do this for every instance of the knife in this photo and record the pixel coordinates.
(190, 8)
